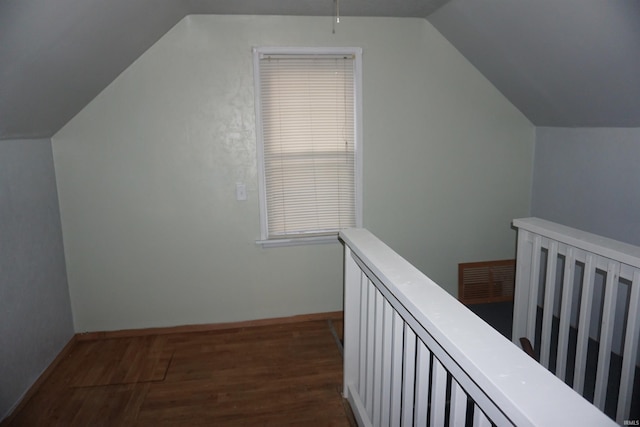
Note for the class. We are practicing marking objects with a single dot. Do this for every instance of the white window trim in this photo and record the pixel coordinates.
(357, 53)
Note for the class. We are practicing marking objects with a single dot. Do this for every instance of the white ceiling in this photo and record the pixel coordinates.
(561, 62)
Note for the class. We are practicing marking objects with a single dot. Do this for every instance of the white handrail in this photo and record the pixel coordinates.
(436, 341)
(599, 245)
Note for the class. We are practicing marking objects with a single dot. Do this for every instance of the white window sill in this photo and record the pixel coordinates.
(297, 241)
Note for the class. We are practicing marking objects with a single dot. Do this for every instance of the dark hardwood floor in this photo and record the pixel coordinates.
(289, 374)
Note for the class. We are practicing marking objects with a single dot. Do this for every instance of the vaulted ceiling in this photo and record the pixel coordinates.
(570, 63)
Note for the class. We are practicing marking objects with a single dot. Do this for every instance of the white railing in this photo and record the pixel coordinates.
(414, 356)
(577, 284)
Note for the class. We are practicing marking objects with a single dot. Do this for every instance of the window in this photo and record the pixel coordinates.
(309, 150)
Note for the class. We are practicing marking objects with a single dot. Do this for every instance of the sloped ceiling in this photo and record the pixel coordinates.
(561, 62)
(57, 55)
(568, 63)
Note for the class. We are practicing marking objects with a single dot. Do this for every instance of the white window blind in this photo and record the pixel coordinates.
(306, 106)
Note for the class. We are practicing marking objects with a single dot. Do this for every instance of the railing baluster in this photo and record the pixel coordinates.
(479, 418)
(387, 346)
(534, 283)
(377, 359)
(565, 313)
(421, 400)
(438, 394)
(409, 376)
(606, 333)
(547, 313)
(458, 407)
(584, 323)
(632, 336)
(364, 313)
(396, 369)
(521, 294)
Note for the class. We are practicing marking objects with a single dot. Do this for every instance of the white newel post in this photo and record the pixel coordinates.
(352, 335)
(351, 320)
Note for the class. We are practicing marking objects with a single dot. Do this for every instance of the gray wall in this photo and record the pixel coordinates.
(35, 312)
(589, 179)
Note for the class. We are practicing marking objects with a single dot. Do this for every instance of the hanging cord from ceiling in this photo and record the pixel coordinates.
(336, 14)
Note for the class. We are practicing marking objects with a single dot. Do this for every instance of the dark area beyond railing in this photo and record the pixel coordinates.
(500, 317)
(577, 300)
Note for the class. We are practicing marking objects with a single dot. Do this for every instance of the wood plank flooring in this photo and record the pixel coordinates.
(277, 375)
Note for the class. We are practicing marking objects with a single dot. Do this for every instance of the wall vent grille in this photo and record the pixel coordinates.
(485, 282)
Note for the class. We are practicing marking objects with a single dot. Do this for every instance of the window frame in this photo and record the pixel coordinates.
(302, 239)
